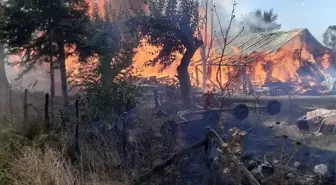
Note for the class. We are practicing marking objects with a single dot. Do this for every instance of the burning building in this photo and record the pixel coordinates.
(251, 60)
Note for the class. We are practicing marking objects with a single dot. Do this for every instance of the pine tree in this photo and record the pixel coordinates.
(4, 84)
(42, 29)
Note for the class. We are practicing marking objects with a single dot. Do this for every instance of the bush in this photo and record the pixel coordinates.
(99, 102)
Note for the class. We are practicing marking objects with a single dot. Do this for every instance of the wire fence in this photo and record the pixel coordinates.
(32, 104)
(35, 103)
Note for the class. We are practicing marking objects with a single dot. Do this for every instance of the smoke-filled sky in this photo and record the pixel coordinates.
(312, 14)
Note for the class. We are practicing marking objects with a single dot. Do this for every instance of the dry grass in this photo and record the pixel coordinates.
(50, 167)
(324, 142)
(43, 168)
(44, 160)
(30, 155)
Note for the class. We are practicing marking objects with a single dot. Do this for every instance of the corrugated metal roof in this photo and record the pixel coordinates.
(247, 43)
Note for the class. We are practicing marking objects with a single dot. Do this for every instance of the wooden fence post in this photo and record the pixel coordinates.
(208, 144)
(156, 98)
(208, 148)
(124, 137)
(46, 111)
(77, 129)
(197, 77)
(10, 101)
(25, 105)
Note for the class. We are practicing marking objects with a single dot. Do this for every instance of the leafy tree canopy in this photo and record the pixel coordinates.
(108, 41)
(29, 26)
(170, 24)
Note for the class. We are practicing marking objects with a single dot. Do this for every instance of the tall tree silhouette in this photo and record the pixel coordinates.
(40, 30)
(3, 77)
(172, 25)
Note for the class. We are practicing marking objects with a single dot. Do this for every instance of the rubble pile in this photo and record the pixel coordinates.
(319, 121)
(269, 171)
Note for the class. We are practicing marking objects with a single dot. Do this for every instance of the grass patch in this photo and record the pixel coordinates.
(31, 155)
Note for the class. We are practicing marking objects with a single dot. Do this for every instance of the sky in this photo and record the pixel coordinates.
(315, 15)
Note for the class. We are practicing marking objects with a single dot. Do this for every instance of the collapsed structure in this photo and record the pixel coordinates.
(293, 59)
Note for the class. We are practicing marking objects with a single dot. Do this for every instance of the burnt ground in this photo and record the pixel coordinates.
(279, 135)
(276, 137)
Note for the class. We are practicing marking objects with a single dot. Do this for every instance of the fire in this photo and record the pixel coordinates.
(263, 68)
(236, 50)
(72, 64)
(143, 54)
(146, 53)
(260, 67)
(325, 61)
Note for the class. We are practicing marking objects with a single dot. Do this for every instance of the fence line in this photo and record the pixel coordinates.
(25, 105)
(46, 110)
(31, 101)
(211, 138)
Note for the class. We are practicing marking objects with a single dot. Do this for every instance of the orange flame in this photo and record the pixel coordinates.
(261, 68)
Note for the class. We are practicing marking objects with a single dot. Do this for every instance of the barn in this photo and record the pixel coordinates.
(294, 57)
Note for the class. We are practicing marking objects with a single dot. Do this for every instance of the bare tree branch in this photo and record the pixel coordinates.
(225, 41)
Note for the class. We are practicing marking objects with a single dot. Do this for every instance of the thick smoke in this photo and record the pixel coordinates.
(247, 22)
(251, 22)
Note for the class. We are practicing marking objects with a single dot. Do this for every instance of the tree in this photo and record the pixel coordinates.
(261, 21)
(108, 42)
(40, 30)
(111, 46)
(172, 25)
(329, 37)
(3, 77)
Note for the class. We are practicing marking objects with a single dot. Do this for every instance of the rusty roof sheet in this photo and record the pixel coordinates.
(247, 43)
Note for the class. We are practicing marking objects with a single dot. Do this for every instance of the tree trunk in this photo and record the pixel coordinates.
(204, 59)
(184, 78)
(52, 83)
(105, 70)
(204, 66)
(3, 77)
(64, 84)
(52, 72)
